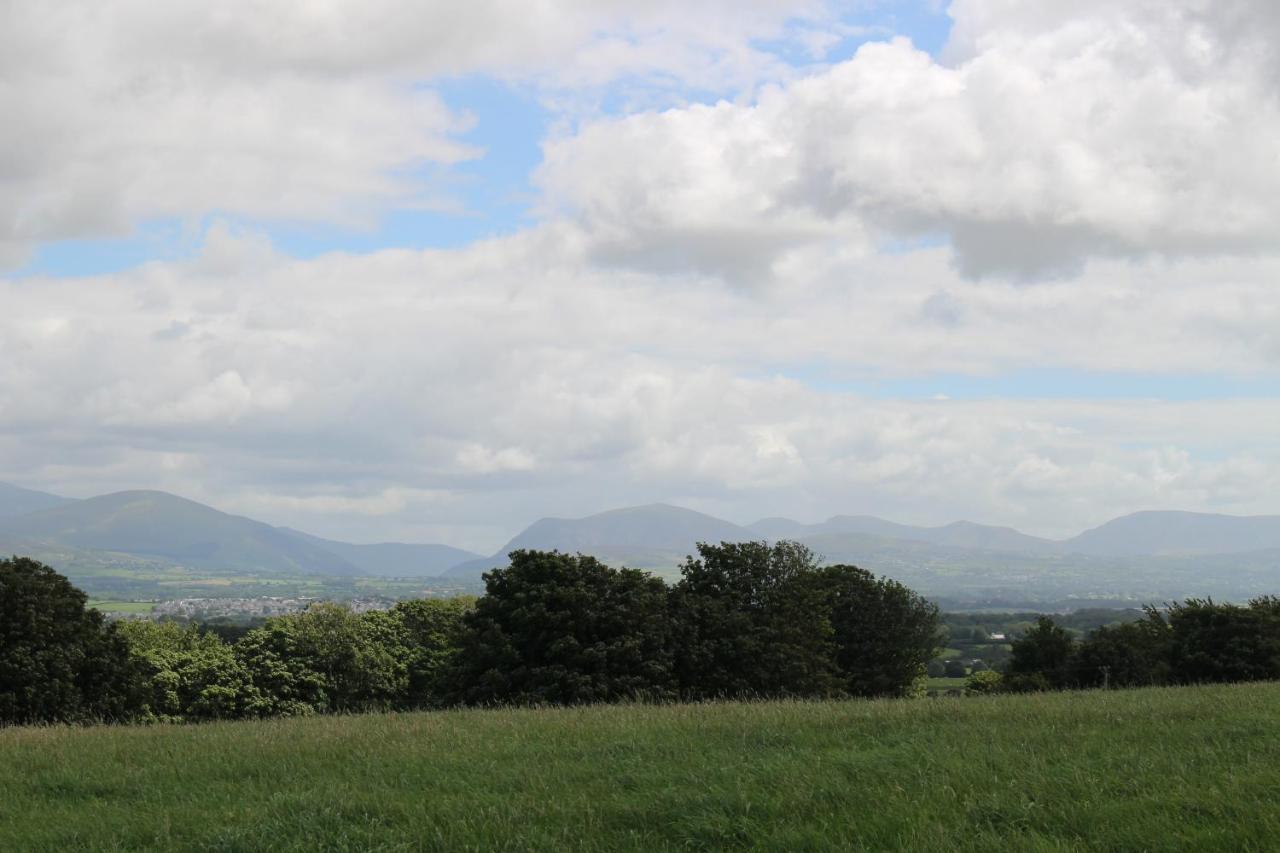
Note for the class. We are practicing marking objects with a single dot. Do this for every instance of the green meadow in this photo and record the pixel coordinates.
(1159, 769)
(131, 607)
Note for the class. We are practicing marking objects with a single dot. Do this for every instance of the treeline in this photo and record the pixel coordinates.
(1197, 641)
(745, 620)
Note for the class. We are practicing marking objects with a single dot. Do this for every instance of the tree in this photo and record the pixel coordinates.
(955, 669)
(190, 675)
(1046, 651)
(884, 633)
(58, 661)
(936, 669)
(1131, 654)
(753, 621)
(565, 629)
(983, 682)
(324, 659)
(432, 631)
(1225, 642)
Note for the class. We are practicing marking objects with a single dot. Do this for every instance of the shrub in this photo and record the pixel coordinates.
(983, 682)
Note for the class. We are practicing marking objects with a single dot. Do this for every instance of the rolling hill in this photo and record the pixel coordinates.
(161, 525)
(1178, 534)
(1148, 556)
(158, 528)
(657, 536)
(15, 501)
(392, 559)
(958, 534)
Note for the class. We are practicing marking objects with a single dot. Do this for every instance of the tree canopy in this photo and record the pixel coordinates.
(59, 662)
(566, 629)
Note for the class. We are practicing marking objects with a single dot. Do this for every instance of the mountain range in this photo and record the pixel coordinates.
(157, 526)
(1146, 553)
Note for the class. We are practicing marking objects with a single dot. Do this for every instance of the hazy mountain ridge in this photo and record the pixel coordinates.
(655, 536)
(392, 559)
(1173, 533)
(1152, 554)
(16, 501)
(158, 524)
(152, 525)
(961, 534)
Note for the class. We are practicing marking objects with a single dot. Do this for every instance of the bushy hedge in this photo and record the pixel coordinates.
(1196, 641)
(746, 620)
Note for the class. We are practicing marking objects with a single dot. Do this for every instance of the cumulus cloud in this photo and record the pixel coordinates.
(130, 110)
(460, 394)
(611, 355)
(1048, 135)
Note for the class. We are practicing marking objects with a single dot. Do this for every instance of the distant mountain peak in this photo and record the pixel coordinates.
(17, 501)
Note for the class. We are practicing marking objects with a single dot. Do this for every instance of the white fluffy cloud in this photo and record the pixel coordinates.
(460, 394)
(1054, 133)
(125, 111)
(722, 301)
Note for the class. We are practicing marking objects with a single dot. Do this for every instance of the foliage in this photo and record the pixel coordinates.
(1225, 642)
(58, 661)
(432, 631)
(754, 620)
(1045, 650)
(1131, 654)
(884, 633)
(566, 629)
(746, 620)
(982, 682)
(324, 659)
(190, 675)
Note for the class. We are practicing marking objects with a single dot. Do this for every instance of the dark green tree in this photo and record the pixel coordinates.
(325, 659)
(754, 621)
(1045, 651)
(1225, 642)
(1130, 654)
(59, 662)
(566, 629)
(884, 633)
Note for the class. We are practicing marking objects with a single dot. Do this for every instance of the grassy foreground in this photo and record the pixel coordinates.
(1165, 769)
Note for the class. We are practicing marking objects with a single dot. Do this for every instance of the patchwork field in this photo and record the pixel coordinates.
(1163, 769)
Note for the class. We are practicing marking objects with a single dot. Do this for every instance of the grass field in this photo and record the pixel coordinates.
(1173, 769)
(121, 606)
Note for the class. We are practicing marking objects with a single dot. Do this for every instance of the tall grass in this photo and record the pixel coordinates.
(1161, 769)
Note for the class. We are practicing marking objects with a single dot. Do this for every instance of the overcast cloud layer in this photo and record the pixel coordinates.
(756, 279)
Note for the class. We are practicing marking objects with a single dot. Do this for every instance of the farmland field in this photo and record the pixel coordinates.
(131, 607)
(1159, 769)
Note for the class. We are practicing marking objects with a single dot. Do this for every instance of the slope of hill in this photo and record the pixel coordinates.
(958, 534)
(157, 524)
(1168, 533)
(1190, 768)
(392, 559)
(15, 501)
(655, 536)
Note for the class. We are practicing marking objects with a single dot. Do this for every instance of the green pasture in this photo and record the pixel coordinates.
(1160, 769)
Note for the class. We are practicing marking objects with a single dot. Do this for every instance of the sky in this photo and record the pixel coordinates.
(427, 271)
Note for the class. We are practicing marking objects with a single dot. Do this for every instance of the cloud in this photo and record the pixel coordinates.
(130, 111)
(722, 303)
(516, 379)
(1042, 140)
